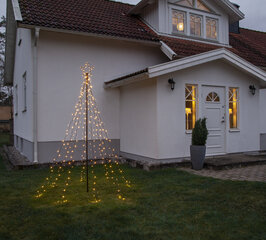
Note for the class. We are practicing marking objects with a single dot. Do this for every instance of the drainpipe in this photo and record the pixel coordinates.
(35, 87)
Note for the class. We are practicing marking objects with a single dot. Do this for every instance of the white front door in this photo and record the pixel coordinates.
(213, 108)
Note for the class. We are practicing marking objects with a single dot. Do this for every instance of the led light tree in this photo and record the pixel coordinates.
(86, 140)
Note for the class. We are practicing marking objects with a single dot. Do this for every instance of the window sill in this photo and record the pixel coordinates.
(234, 130)
(188, 131)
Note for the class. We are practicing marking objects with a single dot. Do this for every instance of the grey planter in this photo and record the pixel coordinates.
(197, 154)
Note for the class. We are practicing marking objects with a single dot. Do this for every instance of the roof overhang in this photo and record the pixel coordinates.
(188, 62)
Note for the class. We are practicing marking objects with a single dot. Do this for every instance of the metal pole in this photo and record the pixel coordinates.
(86, 135)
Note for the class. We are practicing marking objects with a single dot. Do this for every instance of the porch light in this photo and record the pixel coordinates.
(252, 89)
(172, 83)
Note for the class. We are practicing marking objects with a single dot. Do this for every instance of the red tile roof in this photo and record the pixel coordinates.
(110, 18)
(92, 16)
(250, 45)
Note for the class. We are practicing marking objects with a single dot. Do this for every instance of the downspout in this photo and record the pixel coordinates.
(35, 96)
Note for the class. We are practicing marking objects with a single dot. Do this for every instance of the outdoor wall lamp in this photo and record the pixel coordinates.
(252, 89)
(172, 83)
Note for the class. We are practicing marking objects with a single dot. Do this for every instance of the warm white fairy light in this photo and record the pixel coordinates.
(97, 146)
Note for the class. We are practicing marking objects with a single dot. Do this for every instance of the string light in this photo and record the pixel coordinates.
(99, 147)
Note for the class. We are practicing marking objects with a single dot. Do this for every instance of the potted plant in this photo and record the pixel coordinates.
(198, 147)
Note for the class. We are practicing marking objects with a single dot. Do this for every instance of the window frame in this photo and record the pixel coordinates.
(217, 28)
(24, 91)
(237, 109)
(185, 21)
(16, 99)
(196, 106)
(198, 12)
(201, 25)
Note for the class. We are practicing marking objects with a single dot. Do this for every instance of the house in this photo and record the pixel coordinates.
(5, 117)
(159, 66)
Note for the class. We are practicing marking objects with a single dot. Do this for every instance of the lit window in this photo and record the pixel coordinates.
(191, 106)
(233, 107)
(211, 28)
(24, 92)
(213, 97)
(195, 25)
(178, 21)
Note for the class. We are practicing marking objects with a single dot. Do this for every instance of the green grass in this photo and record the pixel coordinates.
(4, 139)
(165, 204)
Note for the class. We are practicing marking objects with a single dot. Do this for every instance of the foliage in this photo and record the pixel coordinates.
(200, 132)
(165, 204)
(5, 91)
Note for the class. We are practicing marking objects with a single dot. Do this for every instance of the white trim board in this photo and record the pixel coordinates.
(187, 62)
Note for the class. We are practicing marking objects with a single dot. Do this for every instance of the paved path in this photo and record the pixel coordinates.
(252, 173)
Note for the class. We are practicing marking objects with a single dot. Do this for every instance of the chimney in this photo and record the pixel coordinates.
(234, 27)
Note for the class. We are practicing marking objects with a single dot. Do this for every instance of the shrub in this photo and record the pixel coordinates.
(200, 132)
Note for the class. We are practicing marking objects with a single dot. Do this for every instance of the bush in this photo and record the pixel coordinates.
(200, 132)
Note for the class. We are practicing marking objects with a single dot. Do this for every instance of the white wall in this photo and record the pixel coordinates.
(59, 77)
(173, 140)
(23, 121)
(262, 110)
(138, 119)
(150, 15)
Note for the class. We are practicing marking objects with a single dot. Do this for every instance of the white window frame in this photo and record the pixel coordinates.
(190, 11)
(196, 103)
(185, 22)
(237, 107)
(217, 28)
(16, 99)
(201, 25)
(24, 91)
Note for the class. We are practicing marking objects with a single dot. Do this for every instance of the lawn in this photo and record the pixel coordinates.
(164, 204)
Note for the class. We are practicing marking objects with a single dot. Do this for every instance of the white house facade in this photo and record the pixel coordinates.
(159, 66)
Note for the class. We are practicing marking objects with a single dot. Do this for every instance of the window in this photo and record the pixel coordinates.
(16, 99)
(24, 92)
(178, 21)
(233, 107)
(211, 28)
(190, 106)
(213, 97)
(195, 25)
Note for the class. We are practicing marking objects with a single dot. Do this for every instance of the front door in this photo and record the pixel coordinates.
(213, 102)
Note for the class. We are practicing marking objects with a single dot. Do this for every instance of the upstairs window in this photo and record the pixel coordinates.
(233, 107)
(211, 28)
(178, 21)
(195, 25)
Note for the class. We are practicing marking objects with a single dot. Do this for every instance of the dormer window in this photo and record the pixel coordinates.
(188, 20)
(178, 21)
(195, 25)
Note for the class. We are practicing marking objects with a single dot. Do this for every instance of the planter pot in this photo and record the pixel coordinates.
(197, 154)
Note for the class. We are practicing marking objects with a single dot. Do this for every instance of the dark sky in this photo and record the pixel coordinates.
(254, 10)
